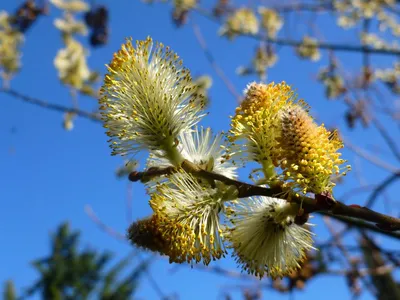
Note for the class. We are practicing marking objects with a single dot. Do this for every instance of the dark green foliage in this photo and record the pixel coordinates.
(9, 291)
(71, 273)
(124, 288)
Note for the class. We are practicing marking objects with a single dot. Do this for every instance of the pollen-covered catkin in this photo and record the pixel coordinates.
(310, 152)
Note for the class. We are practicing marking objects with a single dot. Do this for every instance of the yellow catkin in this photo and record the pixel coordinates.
(256, 121)
(145, 233)
(160, 234)
(242, 21)
(146, 95)
(186, 237)
(310, 152)
(264, 237)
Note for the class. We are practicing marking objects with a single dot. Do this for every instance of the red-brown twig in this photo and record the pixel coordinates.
(321, 203)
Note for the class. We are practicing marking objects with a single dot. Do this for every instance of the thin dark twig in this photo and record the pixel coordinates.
(381, 129)
(381, 187)
(120, 237)
(304, 7)
(154, 284)
(224, 272)
(370, 157)
(390, 255)
(209, 56)
(51, 106)
(104, 227)
(346, 254)
(337, 241)
(294, 43)
(366, 57)
(340, 234)
(327, 46)
(357, 248)
(353, 222)
(389, 141)
(358, 190)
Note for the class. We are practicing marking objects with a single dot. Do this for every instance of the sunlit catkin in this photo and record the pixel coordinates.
(255, 128)
(190, 220)
(148, 99)
(311, 157)
(264, 237)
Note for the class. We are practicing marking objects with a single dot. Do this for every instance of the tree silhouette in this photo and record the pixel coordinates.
(69, 272)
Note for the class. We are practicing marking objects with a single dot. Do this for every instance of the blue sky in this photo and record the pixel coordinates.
(49, 174)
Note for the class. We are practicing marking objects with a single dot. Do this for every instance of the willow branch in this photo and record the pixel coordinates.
(327, 46)
(304, 7)
(209, 56)
(353, 222)
(51, 106)
(294, 43)
(321, 203)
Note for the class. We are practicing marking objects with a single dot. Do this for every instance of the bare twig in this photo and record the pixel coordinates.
(153, 283)
(128, 203)
(120, 237)
(294, 43)
(371, 158)
(337, 239)
(355, 191)
(303, 7)
(104, 227)
(227, 273)
(340, 234)
(353, 222)
(364, 271)
(199, 36)
(371, 243)
(381, 187)
(51, 106)
(352, 263)
(388, 139)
